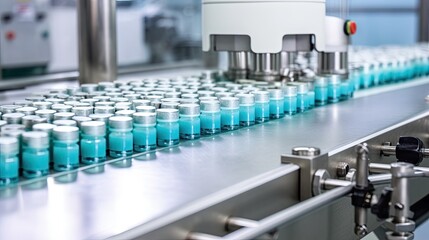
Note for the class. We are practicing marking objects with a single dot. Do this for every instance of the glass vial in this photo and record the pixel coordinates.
(93, 142)
(167, 128)
(47, 128)
(311, 98)
(290, 100)
(262, 106)
(230, 113)
(276, 104)
(144, 132)
(66, 149)
(334, 89)
(35, 156)
(189, 122)
(321, 91)
(301, 97)
(120, 137)
(210, 117)
(247, 109)
(9, 162)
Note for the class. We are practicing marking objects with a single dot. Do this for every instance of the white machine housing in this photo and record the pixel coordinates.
(263, 26)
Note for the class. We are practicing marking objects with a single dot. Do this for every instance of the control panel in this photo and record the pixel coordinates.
(24, 37)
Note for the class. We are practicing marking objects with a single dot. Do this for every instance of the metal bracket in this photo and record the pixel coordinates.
(309, 160)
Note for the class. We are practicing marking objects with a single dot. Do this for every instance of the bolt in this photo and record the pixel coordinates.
(399, 206)
(306, 151)
(342, 169)
(361, 230)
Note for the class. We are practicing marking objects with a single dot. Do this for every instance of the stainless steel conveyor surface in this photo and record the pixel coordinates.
(101, 205)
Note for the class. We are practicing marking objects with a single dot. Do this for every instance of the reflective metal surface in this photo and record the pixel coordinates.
(97, 40)
(106, 200)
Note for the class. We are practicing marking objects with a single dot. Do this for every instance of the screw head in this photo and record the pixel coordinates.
(306, 151)
(342, 169)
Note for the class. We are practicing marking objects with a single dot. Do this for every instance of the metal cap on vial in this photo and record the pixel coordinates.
(210, 106)
(276, 94)
(230, 102)
(13, 118)
(261, 96)
(166, 114)
(65, 122)
(189, 109)
(93, 128)
(146, 109)
(246, 99)
(35, 139)
(144, 118)
(66, 133)
(290, 91)
(8, 145)
(121, 122)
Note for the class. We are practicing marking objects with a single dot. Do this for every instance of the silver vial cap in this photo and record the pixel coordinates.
(101, 117)
(224, 94)
(176, 100)
(104, 110)
(246, 98)
(26, 110)
(189, 100)
(13, 118)
(276, 94)
(230, 102)
(189, 109)
(171, 105)
(42, 105)
(61, 108)
(36, 139)
(126, 113)
(23, 103)
(151, 109)
(334, 79)
(63, 116)
(121, 122)
(190, 95)
(83, 111)
(89, 87)
(290, 91)
(71, 123)
(93, 128)
(90, 101)
(46, 113)
(12, 127)
(28, 121)
(166, 114)
(204, 93)
(205, 99)
(80, 119)
(321, 81)
(8, 108)
(144, 118)
(172, 94)
(108, 104)
(210, 106)
(8, 145)
(2, 123)
(302, 88)
(66, 133)
(44, 127)
(141, 102)
(261, 96)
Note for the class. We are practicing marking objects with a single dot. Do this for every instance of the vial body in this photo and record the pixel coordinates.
(302, 102)
(210, 123)
(66, 155)
(311, 99)
(247, 115)
(277, 108)
(167, 133)
(345, 91)
(290, 106)
(120, 143)
(230, 119)
(9, 168)
(144, 138)
(190, 127)
(92, 149)
(35, 162)
(321, 94)
(334, 92)
(262, 112)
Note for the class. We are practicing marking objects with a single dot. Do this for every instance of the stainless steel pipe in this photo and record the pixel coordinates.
(97, 40)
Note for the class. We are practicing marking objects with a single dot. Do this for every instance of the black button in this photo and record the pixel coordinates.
(7, 17)
(40, 16)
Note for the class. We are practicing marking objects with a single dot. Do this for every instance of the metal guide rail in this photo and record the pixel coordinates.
(163, 188)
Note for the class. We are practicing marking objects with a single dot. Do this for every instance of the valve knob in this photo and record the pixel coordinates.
(409, 149)
(350, 27)
(381, 209)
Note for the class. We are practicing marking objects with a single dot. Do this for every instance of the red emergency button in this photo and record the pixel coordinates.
(10, 36)
(350, 27)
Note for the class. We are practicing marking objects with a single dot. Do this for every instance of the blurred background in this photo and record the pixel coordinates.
(167, 33)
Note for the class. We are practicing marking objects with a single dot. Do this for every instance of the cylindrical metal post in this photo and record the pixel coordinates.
(362, 182)
(265, 67)
(237, 65)
(97, 40)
